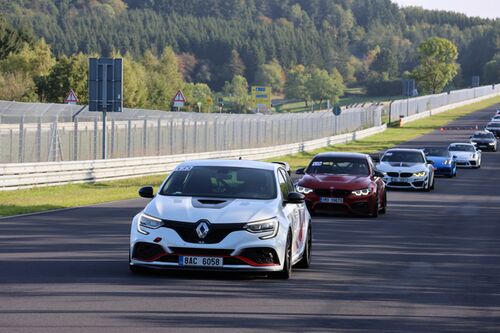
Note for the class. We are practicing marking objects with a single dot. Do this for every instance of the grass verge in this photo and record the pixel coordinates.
(65, 196)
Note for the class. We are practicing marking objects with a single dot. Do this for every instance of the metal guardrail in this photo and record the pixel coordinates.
(25, 175)
(411, 106)
(34, 132)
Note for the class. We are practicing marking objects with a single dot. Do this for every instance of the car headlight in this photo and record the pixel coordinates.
(491, 143)
(361, 192)
(447, 162)
(148, 222)
(305, 190)
(420, 174)
(268, 228)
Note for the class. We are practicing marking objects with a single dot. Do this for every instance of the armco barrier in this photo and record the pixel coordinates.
(405, 120)
(25, 175)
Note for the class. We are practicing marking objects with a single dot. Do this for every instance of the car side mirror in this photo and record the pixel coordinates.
(430, 162)
(454, 157)
(146, 192)
(300, 171)
(295, 198)
(378, 174)
(479, 151)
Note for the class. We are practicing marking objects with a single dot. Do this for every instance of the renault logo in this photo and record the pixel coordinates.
(202, 229)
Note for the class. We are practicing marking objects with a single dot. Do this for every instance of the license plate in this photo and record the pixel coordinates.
(399, 180)
(332, 200)
(201, 261)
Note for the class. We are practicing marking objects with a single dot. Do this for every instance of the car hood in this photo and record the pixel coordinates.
(189, 209)
(462, 154)
(482, 140)
(348, 182)
(401, 166)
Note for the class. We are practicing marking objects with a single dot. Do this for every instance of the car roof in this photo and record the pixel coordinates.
(461, 143)
(342, 154)
(405, 149)
(232, 163)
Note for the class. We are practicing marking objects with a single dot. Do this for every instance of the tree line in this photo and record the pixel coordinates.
(216, 43)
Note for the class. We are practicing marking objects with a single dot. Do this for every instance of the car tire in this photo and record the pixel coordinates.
(433, 183)
(305, 262)
(383, 210)
(374, 214)
(286, 272)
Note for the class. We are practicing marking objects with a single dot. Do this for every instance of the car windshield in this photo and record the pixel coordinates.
(403, 156)
(483, 136)
(221, 182)
(494, 125)
(433, 151)
(462, 148)
(339, 166)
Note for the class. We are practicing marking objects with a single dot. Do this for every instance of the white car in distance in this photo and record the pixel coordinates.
(406, 169)
(223, 215)
(466, 155)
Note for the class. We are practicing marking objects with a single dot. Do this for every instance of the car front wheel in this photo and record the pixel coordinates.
(305, 262)
(286, 272)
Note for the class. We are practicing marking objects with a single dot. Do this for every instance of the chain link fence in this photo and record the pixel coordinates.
(36, 132)
(411, 106)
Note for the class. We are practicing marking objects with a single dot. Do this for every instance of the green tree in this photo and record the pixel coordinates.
(323, 86)
(438, 66)
(35, 61)
(296, 81)
(271, 74)
(135, 91)
(163, 78)
(236, 65)
(199, 93)
(491, 71)
(238, 90)
(68, 73)
(17, 86)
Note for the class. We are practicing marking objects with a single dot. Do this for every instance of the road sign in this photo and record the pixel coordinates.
(336, 110)
(261, 97)
(220, 101)
(105, 84)
(179, 99)
(71, 99)
(105, 89)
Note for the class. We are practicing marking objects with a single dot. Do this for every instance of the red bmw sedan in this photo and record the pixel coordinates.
(343, 182)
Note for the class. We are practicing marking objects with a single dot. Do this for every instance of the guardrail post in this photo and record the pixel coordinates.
(21, 141)
(144, 136)
(38, 140)
(215, 132)
(183, 142)
(129, 138)
(158, 137)
(96, 129)
(75, 140)
(112, 141)
(195, 135)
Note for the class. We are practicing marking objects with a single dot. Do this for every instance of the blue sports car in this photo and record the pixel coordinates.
(442, 160)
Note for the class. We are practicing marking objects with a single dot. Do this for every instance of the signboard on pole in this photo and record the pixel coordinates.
(105, 89)
(179, 99)
(105, 84)
(71, 99)
(261, 97)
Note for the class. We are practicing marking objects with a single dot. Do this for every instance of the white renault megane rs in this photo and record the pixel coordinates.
(223, 215)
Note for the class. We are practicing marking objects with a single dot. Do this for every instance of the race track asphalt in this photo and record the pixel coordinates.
(432, 264)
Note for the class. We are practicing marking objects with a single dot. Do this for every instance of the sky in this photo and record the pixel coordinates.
(482, 8)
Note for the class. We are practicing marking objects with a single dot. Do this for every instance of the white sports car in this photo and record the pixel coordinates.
(406, 168)
(223, 215)
(466, 155)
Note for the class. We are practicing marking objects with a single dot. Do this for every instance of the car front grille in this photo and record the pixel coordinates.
(332, 193)
(200, 251)
(393, 174)
(406, 174)
(216, 233)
